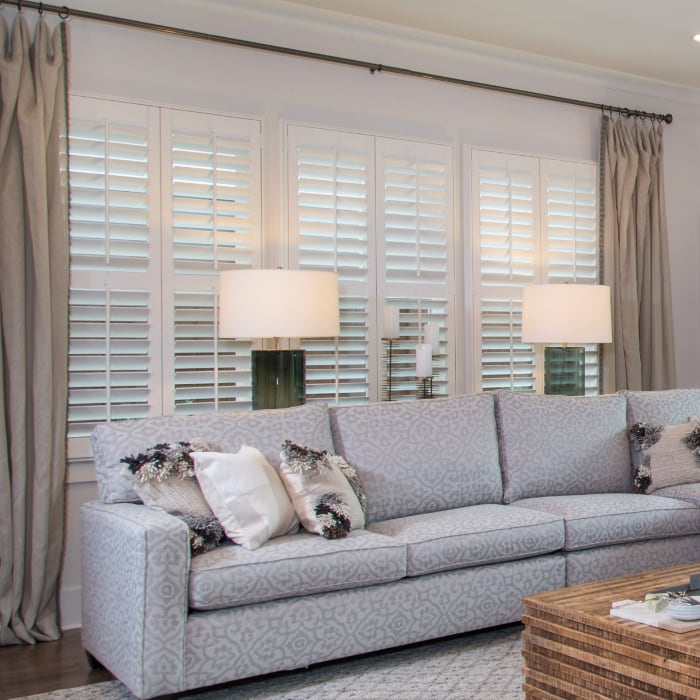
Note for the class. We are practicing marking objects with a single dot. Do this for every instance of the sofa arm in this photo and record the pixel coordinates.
(134, 573)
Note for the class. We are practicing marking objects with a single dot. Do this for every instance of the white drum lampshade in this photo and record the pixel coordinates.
(565, 314)
(278, 304)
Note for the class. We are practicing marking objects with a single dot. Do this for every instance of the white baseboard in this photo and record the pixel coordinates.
(70, 607)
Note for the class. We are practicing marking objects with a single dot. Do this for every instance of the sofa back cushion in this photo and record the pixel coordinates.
(670, 407)
(266, 430)
(421, 456)
(562, 445)
(671, 410)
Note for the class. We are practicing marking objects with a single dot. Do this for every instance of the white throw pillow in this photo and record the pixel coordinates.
(246, 495)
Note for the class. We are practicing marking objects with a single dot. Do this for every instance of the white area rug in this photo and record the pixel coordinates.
(478, 666)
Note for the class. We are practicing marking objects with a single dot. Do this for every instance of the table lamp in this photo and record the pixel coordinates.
(565, 314)
(278, 304)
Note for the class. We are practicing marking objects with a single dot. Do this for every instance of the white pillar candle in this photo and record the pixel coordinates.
(431, 336)
(424, 360)
(391, 322)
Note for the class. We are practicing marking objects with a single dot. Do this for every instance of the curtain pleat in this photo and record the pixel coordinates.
(636, 262)
(34, 272)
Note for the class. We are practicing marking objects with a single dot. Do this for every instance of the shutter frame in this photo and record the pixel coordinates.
(536, 218)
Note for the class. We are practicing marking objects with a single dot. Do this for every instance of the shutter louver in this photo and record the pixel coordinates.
(212, 200)
(329, 182)
(415, 213)
(210, 374)
(214, 213)
(507, 219)
(333, 212)
(536, 222)
(113, 292)
(570, 222)
(109, 365)
(109, 196)
(505, 360)
(506, 225)
(336, 370)
(413, 315)
(415, 219)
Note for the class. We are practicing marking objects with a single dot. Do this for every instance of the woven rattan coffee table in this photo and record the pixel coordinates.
(573, 648)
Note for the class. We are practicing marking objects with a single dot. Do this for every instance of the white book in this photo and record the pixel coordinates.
(639, 611)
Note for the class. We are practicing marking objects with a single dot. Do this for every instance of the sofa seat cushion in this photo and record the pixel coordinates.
(293, 565)
(421, 456)
(472, 536)
(603, 519)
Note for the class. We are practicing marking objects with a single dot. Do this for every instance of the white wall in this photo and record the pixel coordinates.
(140, 65)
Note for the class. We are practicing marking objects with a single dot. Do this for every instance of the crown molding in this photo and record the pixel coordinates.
(291, 25)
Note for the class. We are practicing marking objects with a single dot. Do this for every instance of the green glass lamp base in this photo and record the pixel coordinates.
(279, 378)
(565, 371)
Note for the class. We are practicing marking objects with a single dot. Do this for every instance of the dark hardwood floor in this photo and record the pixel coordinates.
(40, 668)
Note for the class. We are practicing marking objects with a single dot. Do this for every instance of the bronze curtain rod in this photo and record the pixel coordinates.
(65, 12)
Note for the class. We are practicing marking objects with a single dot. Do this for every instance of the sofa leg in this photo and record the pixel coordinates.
(93, 663)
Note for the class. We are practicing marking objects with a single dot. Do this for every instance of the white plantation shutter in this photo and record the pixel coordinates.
(214, 191)
(508, 212)
(535, 221)
(415, 211)
(331, 210)
(161, 200)
(380, 212)
(109, 363)
(115, 266)
(506, 216)
(331, 201)
(413, 314)
(570, 229)
(337, 370)
(212, 222)
(210, 374)
(506, 362)
(570, 222)
(112, 156)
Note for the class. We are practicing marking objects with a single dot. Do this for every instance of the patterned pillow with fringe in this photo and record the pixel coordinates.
(163, 477)
(324, 490)
(665, 455)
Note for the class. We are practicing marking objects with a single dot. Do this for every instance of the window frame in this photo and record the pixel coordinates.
(159, 276)
(377, 291)
(539, 273)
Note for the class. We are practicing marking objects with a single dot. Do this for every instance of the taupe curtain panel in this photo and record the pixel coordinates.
(33, 326)
(635, 261)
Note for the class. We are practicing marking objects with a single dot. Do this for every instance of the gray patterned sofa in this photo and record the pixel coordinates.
(473, 502)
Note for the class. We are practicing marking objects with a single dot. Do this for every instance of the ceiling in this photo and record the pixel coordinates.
(647, 38)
